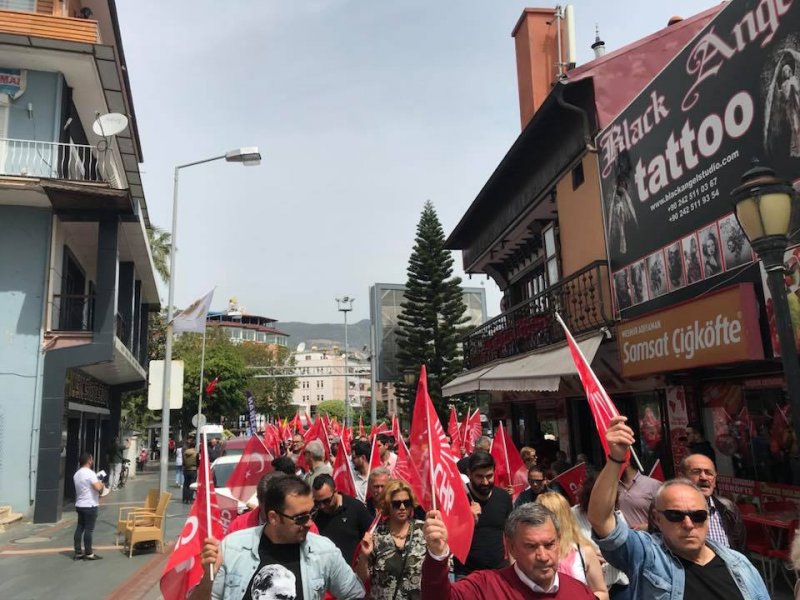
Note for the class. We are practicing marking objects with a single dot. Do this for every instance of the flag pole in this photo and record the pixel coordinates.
(583, 357)
(207, 493)
(430, 445)
(200, 391)
(505, 449)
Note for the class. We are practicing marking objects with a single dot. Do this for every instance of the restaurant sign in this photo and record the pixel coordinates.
(715, 329)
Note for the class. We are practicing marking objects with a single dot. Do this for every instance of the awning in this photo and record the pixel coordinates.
(540, 371)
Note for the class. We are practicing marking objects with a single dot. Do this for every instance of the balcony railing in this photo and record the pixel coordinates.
(50, 160)
(72, 312)
(583, 300)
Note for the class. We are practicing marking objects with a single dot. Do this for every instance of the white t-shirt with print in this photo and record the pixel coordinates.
(85, 495)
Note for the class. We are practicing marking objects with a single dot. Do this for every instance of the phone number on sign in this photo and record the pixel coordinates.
(693, 200)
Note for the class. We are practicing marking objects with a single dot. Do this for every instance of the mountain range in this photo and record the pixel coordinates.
(326, 334)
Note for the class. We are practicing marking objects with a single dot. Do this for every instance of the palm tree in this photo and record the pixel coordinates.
(160, 246)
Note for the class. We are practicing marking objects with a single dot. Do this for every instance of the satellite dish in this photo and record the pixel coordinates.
(110, 124)
(301, 347)
(199, 422)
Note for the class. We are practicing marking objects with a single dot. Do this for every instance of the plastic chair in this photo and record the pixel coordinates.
(782, 556)
(759, 546)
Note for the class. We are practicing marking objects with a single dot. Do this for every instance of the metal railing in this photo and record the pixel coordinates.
(51, 160)
(72, 312)
(583, 300)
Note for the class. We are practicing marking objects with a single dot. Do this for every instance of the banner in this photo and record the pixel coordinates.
(251, 412)
(669, 161)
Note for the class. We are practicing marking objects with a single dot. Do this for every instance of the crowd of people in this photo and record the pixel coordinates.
(627, 537)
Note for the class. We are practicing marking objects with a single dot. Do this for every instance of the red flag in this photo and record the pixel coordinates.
(602, 407)
(571, 479)
(309, 420)
(254, 463)
(374, 456)
(212, 386)
(347, 439)
(406, 470)
(272, 439)
(183, 570)
(442, 487)
(297, 423)
(472, 430)
(509, 468)
(360, 426)
(657, 472)
(319, 431)
(455, 433)
(396, 429)
(285, 431)
(343, 474)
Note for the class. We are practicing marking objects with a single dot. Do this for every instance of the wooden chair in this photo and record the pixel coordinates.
(149, 505)
(144, 526)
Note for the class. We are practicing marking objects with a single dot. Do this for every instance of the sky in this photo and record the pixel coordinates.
(362, 111)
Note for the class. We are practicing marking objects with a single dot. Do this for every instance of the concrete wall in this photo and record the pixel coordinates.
(44, 92)
(24, 248)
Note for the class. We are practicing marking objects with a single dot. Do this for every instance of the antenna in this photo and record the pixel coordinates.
(301, 347)
(569, 18)
(110, 124)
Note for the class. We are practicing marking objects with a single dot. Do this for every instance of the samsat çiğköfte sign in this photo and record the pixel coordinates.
(718, 328)
(670, 160)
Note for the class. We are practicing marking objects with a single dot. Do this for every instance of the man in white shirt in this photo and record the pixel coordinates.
(361, 455)
(87, 501)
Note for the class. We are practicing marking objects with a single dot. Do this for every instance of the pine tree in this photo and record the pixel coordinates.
(433, 312)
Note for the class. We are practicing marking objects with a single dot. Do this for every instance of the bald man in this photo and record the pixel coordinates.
(678, 562)
(725, 525)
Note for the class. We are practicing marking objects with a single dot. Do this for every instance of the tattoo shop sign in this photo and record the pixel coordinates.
(716, 329)
(670, 160)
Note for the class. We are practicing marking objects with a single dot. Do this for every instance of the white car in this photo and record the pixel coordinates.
(221, 470)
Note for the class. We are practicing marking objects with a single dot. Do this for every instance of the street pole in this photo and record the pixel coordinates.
(165, 389)
(345, 305)
(200, 391)
(373, 376)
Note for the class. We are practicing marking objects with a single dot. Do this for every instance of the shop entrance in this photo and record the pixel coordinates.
(85, 433)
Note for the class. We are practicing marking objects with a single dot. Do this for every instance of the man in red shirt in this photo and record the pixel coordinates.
(532, 537)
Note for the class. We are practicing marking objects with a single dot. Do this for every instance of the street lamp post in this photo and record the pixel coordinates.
(763, 204)
(247, 157)
(345, 305)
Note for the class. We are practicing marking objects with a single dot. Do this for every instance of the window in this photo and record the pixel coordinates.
(577, 176)
(249, 335)
(261, 336)
(23, 5)
(234, 333)
(551, 253)
(73, 308)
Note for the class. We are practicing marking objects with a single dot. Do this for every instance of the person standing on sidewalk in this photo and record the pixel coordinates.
(178, 465)
(87, 501)
(189, 470)
(116, 452)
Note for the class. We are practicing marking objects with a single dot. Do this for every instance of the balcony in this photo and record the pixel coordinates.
(583, 300)
(49, 26)
(50, 160)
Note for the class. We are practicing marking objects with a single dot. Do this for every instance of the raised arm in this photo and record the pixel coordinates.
(604, 494)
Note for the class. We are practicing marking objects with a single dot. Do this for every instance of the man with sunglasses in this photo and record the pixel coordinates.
(340, 518)
(250, 563)
(296, 447)
(678, 563)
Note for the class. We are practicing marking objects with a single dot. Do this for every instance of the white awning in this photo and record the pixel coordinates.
(539, 371)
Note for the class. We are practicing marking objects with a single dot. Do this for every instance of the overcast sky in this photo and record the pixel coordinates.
(362, 110)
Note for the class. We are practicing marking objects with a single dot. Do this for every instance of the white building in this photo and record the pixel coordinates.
(320, 377)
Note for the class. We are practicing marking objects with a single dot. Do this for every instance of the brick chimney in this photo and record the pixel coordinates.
(536, 44)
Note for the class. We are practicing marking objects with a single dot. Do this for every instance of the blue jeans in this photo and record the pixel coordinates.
(87, 517)
(179, 476)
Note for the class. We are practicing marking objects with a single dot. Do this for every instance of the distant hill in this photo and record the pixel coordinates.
(326, 334)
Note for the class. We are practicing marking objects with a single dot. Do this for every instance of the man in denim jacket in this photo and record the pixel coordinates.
(280, 557)
(680, 562)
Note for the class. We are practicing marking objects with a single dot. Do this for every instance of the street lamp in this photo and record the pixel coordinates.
(248, 157)
(764, 210)
(345, 305)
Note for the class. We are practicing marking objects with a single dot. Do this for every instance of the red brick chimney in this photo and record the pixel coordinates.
(536, 43)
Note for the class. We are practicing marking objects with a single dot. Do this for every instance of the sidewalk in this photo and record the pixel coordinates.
(36, 560)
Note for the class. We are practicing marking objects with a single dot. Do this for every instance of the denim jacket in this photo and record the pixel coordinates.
(655, 573)
(321, 567)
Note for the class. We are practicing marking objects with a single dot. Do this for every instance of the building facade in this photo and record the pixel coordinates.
(239, 326)
(76, 276)
(320, 377)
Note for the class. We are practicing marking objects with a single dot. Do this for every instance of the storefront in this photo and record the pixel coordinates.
(87, 412)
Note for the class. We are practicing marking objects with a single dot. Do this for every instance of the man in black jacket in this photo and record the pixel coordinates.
(725, 523)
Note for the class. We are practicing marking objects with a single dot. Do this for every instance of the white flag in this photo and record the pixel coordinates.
(193, 318)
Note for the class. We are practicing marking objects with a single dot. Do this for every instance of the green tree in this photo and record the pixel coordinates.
(273, 395)
(223, 360)
(160, 246)
(134, 414)
(332, 408)
(432, 316)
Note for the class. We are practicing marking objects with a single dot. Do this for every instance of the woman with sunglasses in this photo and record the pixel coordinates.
(390, 560)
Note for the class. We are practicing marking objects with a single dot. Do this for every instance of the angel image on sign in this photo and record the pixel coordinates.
(782, 111)
(622, 221)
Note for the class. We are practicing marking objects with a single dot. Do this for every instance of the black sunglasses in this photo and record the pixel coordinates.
(396, 504)
(677, 516)
(299, 519)
(323, 502)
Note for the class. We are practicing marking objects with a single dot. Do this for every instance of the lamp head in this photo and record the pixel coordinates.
(249, 156)
(763, 203)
